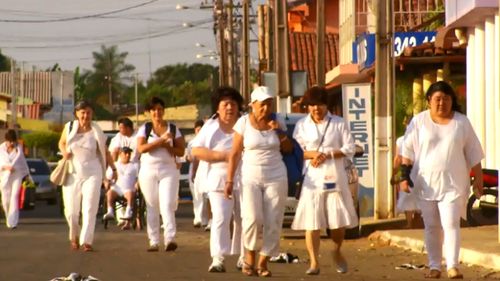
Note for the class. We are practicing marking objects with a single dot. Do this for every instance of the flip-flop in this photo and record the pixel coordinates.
(248, 269)
(264, 272)
(433, 274)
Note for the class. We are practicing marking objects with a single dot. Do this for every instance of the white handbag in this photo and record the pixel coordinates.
(60, 173)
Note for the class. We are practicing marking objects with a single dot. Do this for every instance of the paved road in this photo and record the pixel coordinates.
(39, 250)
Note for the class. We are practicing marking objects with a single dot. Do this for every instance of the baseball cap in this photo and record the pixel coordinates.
(261, 93)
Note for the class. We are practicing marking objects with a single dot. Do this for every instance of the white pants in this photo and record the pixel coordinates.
(263, 202)
(10, 187)
(160, 188)
(442, 218)
(199, 204)
(82, 194)
(223, 210)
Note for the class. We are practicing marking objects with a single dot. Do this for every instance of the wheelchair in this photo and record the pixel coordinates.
(138, 219)
(485, 209)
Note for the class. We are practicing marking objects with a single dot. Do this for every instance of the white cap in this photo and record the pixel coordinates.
(261, 93)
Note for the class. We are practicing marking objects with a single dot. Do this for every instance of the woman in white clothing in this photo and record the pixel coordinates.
(213, 145)
(13, 168)
(84, 143)
(159, 142)
(440, 147)
(325, 200)
(259, 136)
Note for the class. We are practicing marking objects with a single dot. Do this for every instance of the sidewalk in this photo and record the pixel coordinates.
(479, 245)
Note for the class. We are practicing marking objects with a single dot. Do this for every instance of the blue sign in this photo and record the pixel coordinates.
(363, 49)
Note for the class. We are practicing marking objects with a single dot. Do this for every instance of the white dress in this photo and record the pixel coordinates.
(442, 157)
(406, 201)
(319, 208)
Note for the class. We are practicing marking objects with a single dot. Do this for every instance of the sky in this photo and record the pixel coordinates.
(40, 33)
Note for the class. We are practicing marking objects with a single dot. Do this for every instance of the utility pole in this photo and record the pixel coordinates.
(61, 85)
(220, 15)
(230, 43)
(384, 100)
(245, 46)
(320, 42)
(13, 88)
(281, 47)
(136, 94)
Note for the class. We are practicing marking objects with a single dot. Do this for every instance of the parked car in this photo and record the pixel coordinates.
(40, 173)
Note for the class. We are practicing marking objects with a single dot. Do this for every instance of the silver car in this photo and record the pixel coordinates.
(40, 173)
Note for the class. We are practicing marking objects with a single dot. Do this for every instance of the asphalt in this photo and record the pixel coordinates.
(479, 245)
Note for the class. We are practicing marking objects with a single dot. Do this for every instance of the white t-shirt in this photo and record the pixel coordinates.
(442, 156)
(158, 157)
(214, 138)
(261, 148)
(120, 141)
(85, 158)
(127, 175)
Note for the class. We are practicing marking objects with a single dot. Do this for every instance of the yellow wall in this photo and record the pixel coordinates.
(33, 125)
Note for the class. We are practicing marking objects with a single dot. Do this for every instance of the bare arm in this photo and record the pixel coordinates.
(234, 160)
(405, 185)
(209, 155)
(62, 145)
(144, 147)
(477, 185)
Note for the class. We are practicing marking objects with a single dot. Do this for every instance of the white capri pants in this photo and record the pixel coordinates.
(223, 210)
(263, 199)
(82, 194)
(160, 187)
(10, 187)
(442, 218)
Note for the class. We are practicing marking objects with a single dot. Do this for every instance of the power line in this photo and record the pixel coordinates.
(80, 17)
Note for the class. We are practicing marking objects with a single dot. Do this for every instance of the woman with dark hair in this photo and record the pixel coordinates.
(13, 168)
(212, 146)
(439, 149)
(325, 200)
(159, 142)
(84, 144)
(258, 139)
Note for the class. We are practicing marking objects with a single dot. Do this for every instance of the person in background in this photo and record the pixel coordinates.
(325, 200)
(84, 144)
(257, 141)
(13, 168)
(197, 195)
(125, 186)
(158, 174)
(124, 138)
(407, 202)
(213, 145)
(439, 150)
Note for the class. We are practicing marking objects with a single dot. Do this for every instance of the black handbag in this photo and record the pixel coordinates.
(300, 182)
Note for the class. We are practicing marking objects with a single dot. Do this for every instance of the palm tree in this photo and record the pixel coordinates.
(110, 70)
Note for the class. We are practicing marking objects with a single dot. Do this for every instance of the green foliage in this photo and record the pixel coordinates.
(4, 62)
(42, 144)
(403, 106)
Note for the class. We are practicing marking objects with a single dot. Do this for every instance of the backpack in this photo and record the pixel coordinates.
(149, 128)
(294, 162)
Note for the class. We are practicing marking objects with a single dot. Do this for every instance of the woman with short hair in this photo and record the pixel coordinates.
(212, 145)
(13, 168)
(159, 142)
(84, 144)
(325, 200)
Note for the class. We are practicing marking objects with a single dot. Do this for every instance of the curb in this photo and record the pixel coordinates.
(467, 256)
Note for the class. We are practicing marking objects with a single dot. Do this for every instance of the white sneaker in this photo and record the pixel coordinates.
(240, 262)
(217, 265)
(207, 227)
(128, 214)
(109, 216)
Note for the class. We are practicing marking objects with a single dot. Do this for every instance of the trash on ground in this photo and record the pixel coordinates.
(285, 258)
(411, 266)
(75, 277)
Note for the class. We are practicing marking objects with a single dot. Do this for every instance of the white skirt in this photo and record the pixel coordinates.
(324, 210)
(407, 202)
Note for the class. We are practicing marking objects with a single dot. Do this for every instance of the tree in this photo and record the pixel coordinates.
(4, 62)
(110, 72)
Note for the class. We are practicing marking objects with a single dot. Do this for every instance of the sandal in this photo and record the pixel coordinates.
(264, 272)
(74, 245)
(248, 269)
(453, 273)
(87, 248)
(433, 274)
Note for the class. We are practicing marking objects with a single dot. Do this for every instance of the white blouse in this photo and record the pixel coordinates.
(85, 158)
(337, 137)
(442, 156)
(158, 157)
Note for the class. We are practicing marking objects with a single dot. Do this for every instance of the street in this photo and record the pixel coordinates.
(39, 250)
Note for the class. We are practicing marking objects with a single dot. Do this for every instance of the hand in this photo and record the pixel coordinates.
(273, 124)
(404, 186)
(167, 136)
(477, 188)
(114, 177)
(228, 190)
(67, 155)
(8, 168)
(318, 159)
